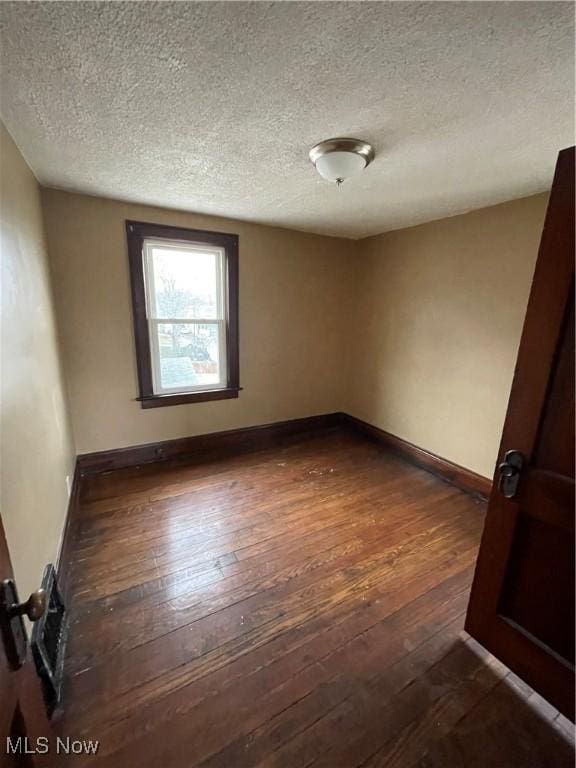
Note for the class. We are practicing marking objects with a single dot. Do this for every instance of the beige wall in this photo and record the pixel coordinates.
(293, 296)
(440, 311)
(36, 444)
(415, 331)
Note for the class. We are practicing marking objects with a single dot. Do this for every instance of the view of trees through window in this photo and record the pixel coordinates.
(186, 284)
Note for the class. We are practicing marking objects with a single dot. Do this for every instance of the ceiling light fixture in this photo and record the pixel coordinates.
(338, 159)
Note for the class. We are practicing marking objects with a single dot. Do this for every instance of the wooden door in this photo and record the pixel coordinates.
(22, 711)
(522, 601)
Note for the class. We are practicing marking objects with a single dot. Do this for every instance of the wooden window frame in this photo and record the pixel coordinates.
(136, 233)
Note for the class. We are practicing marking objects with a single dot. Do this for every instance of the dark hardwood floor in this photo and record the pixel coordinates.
(295, 606)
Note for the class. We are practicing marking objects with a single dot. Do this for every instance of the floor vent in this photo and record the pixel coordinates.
(49, 640)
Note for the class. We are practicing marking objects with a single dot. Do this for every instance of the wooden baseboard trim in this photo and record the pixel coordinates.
(459, 476)
(69, 536)
(252, 438)
(205, 446)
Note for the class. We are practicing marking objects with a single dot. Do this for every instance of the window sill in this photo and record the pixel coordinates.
(160, 401)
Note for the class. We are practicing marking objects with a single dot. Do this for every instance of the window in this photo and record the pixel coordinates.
(185, 308)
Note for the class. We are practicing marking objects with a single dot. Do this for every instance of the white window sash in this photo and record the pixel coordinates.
(153, 324)
(153, 320)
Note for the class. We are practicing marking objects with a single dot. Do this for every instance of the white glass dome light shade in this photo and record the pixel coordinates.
(338, 159)
(340, 165)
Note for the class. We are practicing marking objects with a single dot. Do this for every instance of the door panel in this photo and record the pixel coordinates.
(522, 600)
(546, 614)
(555, 448)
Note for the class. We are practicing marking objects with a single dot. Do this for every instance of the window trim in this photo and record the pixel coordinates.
(136, 233)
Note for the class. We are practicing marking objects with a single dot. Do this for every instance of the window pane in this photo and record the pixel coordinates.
(185, 282)
(188, 355)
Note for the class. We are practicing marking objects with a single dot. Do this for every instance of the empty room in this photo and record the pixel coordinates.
(287, 384)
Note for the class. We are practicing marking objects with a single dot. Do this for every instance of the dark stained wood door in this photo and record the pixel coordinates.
(22, 712)
(522, 600)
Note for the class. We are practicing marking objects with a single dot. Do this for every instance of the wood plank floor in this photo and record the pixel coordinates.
(296, 606)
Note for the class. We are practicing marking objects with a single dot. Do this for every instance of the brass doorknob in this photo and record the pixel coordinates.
(34, 607)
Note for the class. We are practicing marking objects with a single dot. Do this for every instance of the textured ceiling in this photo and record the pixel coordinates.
(212, 107)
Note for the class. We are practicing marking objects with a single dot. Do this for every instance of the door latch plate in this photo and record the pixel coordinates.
(509, 472)
(12, 626)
